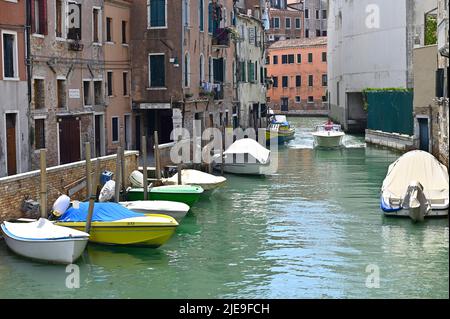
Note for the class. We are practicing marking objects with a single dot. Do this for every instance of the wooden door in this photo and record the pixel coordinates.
(69, 140)
(11, 151)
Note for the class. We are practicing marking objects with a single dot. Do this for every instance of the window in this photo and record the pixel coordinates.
(317, 33)
(108, 29)
(74, 26)
(285, 81)
(39, 94)
(324, 80)
(39, 16)
(186, 70)
(10, 59)
(298, 23)
(210, 17)
(298, 80)
(324, 98)
(109, 83)
(291, 58)
(306, 14)
(268, 59)
(275, 81)
(299, 58)
(96, 25)
(156, 13)
(276, 23)
(39, 134)
(87, 93)
(324, 33)
(288, 23)
(310, 99)
(298, 99)
(307, 33)
(98, 94)
(324, 57)
(202, 68)
(61, 92)
(60, 13)
(324, 14)
(115, 129)
(275, 59)
(317, 14)
(157, 73)
(284, 59)
(201, 9)
(186, 13)
(310, 80)
(124, 32)
(243, 73)
(251, 71)
(310, 57)
(125, 83)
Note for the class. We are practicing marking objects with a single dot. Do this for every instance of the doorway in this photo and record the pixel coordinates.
(99, 138)
(137, 131)
(127, 128)
(11, 144)
(424, 137)
(284, 104)
(69, 140)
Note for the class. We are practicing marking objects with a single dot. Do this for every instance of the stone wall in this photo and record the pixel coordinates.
(15, 189)
(392, 140)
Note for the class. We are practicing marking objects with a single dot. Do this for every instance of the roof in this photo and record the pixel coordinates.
(295, 43)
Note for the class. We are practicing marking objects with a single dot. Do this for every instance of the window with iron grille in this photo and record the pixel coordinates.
(39, 134)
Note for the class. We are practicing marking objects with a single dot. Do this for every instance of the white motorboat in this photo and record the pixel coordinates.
(42, 240)
(245, 156)
(175, 209)
(195, 177)
(328, 135)
(416, 185)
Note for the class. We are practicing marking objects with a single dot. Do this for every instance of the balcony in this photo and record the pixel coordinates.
(221, 38)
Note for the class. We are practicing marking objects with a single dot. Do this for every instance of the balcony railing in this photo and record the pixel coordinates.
(221, 38)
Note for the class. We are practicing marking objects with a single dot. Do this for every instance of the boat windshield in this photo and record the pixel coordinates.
(329, 127)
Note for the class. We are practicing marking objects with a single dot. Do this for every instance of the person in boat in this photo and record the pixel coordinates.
(329, 125)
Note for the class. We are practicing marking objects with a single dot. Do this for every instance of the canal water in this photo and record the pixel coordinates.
(313, 230)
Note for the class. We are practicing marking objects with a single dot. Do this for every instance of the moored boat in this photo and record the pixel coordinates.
(42, 240)
(280, 129)
(196, 178)
(416, 185)
(114, 224)
(328, 135)
(175, 209)
(187, 194)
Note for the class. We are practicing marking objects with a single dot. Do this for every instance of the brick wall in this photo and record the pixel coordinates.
(14, 189)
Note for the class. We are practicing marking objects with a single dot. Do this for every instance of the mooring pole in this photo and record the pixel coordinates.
(221, 150)
(43, 197)
(87, 150)
(93, 197)
(144, 166)
(118, 175)
(157, 157)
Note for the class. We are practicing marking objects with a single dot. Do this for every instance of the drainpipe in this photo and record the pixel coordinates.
(29, 71)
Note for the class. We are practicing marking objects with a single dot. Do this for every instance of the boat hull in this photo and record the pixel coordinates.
(61, 251)
(328, 141)
(282, 136)
(189, 199)
(245, 168)
(125, 233)
(174, 209)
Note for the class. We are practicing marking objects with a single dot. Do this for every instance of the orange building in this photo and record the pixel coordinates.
(298, 68)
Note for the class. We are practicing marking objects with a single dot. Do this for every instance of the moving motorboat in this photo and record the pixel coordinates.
(175, 209)
(328, 135)
(280, 129)
(245, 156)
(42, 240)
(416, 185)
(114, 224)
(186, 194)
(195, 177)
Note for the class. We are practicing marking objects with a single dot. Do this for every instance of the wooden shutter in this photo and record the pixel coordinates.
(43, 16)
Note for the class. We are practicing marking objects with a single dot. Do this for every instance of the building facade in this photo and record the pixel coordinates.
(286, 23)
(372, 49)
(14, 149)
(315, 18)
(182, 64)
(298, 69)
(250, 72)
(67, 89)
(119, 121)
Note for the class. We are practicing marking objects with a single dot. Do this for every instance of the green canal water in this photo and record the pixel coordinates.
(310, 231)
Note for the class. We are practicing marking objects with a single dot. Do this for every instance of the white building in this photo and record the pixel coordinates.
(370, 45)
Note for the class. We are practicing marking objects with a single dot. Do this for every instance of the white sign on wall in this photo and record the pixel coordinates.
(74, 93)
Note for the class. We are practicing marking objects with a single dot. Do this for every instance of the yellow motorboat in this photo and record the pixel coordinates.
(113, 224)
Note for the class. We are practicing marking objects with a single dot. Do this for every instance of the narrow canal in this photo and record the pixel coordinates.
(310, 231)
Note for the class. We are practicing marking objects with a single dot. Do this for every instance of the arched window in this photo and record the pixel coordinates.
(201, 10)
(187, 70)
(202, 68)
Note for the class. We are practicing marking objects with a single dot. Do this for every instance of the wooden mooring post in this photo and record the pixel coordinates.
(87, 152)
(93, 196)
(157, 156)
(144, 165)
(43, 197)
(118, 175)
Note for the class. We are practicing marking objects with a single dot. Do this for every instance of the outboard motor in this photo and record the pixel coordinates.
(416, 202)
